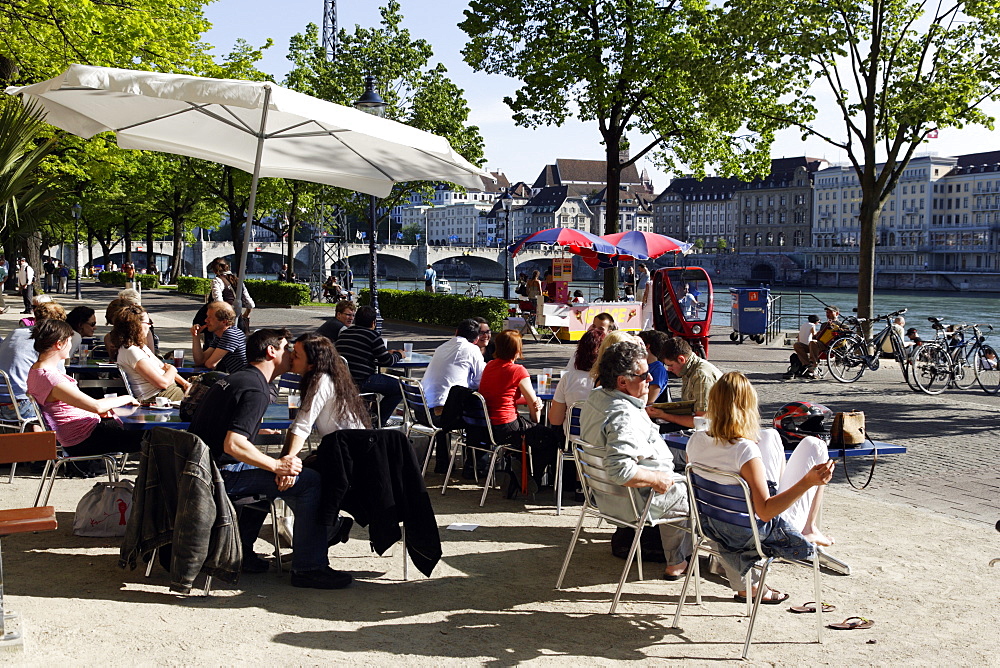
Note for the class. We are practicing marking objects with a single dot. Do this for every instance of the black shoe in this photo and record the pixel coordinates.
(322, 578)
(342, 531)
(254, 563)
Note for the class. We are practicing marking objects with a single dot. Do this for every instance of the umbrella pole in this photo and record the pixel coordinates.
(238, 306)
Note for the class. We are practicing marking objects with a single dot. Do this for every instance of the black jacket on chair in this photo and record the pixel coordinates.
(374, 475)
(180, 500)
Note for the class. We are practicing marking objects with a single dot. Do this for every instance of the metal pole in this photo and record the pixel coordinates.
(373, 263)
(76, 251)
(506, 261)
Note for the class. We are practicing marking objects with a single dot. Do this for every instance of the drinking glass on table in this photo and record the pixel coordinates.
(178, 357)
(84, 352)
(293, 405)
(408, 350)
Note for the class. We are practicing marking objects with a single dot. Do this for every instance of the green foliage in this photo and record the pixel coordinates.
(23, 187)
(273, 292)
(434, 309)
(418, 94)
(117, 278)
(896, 71)
(262, 292)
(635, 67)
(410, 233)
(193, 285)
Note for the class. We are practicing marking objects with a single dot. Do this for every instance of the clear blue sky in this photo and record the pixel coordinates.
(518, 152)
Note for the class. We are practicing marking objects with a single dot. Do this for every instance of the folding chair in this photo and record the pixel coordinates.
(113, 462)
(28, 447)
(572, 428)
(625, 508)
(418, 415)
(20, 422)
(732, 504)
(479, 432)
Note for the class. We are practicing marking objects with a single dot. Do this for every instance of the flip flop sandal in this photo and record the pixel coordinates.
(849, 624)
(776, 598)
(810, 606)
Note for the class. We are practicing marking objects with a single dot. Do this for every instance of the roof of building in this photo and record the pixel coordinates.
(592, 173)
(972, 163)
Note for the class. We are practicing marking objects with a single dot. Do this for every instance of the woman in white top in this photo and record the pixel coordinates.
(148, 376)
(576, 384)
(735, 443)
(330, 400)
(224, 290)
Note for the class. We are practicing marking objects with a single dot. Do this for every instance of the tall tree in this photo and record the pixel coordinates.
(418, 94)
(660, 70)
(897, 72)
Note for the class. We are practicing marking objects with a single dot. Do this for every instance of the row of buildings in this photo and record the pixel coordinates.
(943, 215)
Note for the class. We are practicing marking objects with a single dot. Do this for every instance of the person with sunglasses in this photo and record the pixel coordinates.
(614, 421)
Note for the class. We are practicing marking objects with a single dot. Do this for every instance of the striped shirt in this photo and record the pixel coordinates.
(233, 341)
(364, 351)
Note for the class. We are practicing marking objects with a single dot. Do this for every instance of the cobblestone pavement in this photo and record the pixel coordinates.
(951, 466)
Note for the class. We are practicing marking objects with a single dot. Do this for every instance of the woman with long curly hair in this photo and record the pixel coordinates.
(148, 376)
(330, 400)
(576, 384)
(788, 497)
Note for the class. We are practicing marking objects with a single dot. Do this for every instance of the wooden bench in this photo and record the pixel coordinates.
(17, 448)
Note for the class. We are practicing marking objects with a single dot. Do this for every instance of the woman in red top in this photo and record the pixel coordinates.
(503, 383)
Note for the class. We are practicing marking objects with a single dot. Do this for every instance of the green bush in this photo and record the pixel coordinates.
(117, 278)
(434, 309)
(262, 292)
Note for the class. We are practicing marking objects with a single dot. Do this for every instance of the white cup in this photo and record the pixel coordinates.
(162, 402)
(543, 382)
(547, 371)
(408, 350)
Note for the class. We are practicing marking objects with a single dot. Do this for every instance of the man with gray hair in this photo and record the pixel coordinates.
(225, 348)
(615, 423)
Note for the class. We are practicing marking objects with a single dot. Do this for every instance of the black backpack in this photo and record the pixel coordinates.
(795, 366)
(200, 385)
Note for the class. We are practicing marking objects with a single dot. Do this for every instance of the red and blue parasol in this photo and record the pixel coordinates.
(645, 245)
(576, 241)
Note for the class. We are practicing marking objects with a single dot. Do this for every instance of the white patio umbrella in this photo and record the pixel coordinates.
(258, 127)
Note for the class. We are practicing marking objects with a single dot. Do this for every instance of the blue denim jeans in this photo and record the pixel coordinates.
(388, 387)
(23, 405)
(309, 536)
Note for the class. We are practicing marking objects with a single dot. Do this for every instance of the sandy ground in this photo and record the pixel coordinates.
(492, 599)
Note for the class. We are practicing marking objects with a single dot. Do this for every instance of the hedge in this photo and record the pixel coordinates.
(436, 309)
(263, 292)
(117, 278)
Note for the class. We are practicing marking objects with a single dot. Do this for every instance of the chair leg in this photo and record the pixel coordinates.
(274, 533)
(638, 553)
(489, 475)
(451, 465)
(819, 596)
(761, 589)
(572, 546)
(693, 570)
(13, 467)
(152, 560)
(402, 529)
(628, 567)
(559, 481)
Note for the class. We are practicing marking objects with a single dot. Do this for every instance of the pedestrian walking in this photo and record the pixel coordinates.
(50, 270)
(25, 283)
(63, 272)
(430, 279)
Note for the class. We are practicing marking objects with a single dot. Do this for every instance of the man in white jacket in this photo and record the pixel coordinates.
(25, 283)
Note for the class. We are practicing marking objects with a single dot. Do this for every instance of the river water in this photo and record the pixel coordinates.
(951, 306)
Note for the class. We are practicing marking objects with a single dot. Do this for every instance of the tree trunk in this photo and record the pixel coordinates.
(611, 195)
(177, 259)
(33, 253)
(866, 259)
(151, 267)
(293, 225)
(128, 240)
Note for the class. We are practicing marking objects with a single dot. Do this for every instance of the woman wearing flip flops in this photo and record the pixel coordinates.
(734, 442)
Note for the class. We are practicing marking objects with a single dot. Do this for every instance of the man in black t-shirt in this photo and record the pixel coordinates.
(227, 420)
(344, 318)
(225, 347)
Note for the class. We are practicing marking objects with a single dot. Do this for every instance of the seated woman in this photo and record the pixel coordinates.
(148, 376)
(83, 320)
(735, 443)
(83, 425)
(125, 297)
(576, 384)
(502, 384)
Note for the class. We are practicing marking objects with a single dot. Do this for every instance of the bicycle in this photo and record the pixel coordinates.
(850, 355)
(474, 290)
(951, 360)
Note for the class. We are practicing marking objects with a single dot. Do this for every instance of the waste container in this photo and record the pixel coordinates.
(751, 310)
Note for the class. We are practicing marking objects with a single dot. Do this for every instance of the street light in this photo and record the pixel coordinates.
(506, 201)
(77, 210)
(372, 103)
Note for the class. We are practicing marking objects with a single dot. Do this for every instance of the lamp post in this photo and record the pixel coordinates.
(372, 103)
(506, 201)
(77, 210)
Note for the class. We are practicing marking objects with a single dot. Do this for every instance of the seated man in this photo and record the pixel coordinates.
(227, 420)
(654, 341)
(807, 332)
(17, 354)
(225, 346)
(365, 351)
(824, 337)
(697, 378)
(635, 455)
(343, 317)
(456, 362)
(604, 321)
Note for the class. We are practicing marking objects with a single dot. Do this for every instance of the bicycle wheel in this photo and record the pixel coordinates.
(986, 367)
(846, 359)
(908, 374)
(931, 368)
(962, 369)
